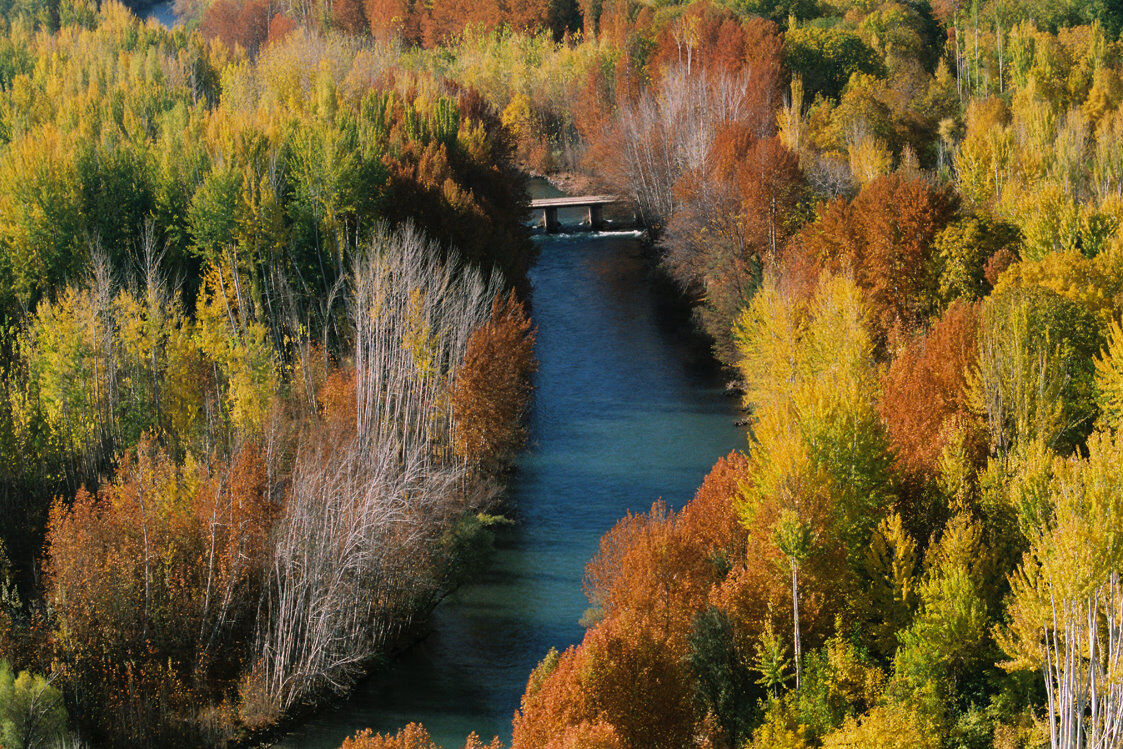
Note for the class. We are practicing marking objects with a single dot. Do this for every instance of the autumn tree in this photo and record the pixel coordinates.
(243, 23)
(492, 390)
(734, 218)
(925, 388)
(1065, 597)
(177, 558)
(413, 736)
(1035, 371)
(885, 237)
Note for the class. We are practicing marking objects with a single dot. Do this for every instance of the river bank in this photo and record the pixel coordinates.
(628, 409)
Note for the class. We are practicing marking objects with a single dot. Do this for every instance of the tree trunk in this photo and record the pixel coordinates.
(795, 622)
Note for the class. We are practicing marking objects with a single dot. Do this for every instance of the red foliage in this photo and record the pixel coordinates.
(447, 18)
(884, 237)
(732, 217)
(523, 15)
(492, 389)
(153, 584)
(924, 386)
(639, 684)
(337, 399)
(244, 24)
(413, 736)
(389, 18)
(711, 38)
(553, 703)
(651, 573)
(628, 684)
(279, 28)
(768, 179)
(998, 263)
(349, 16)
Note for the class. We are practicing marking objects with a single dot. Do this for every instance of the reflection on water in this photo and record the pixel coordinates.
(623, 415)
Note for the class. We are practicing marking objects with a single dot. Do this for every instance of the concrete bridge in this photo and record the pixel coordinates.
(593, 204)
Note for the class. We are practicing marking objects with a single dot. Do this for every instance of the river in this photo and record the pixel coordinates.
(163, 12)
(626, 411)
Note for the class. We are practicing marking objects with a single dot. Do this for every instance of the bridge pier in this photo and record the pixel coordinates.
(596, 217)
(550, 220)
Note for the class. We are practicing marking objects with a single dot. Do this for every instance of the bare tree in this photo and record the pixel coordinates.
(356, 551)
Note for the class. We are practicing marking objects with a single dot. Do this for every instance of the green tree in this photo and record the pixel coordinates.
(963, 249)
(826, 58)
(891, 596)
(949, 641)
(32, 713)
(724, 683)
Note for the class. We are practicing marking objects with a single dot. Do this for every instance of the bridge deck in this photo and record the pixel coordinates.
(579, 201)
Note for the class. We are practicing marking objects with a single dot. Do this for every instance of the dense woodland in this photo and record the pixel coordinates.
(263, 366)
(263, 361)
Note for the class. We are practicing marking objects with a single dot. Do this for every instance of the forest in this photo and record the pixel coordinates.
(266, 354)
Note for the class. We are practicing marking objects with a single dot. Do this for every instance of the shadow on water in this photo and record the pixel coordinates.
(625, 412)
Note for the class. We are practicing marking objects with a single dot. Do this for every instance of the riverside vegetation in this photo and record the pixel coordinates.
(262, 364)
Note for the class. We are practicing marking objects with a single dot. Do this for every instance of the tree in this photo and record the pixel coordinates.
(891, 598)
(1109, 378)
(154, 584)
(1035, 373)
(734, 217)
(948, 642)
(243, 23)
(724, 683)
(826, 58)
(639, 685)
(819, 448)
(554, 702)
(792, 537)
(771, 660)
(492, 390)
(964, 248)
(413, 736)
(891, 726)
(1064, 611)
(668, 129)
(885, 237)
(32, 713)
(924, 390)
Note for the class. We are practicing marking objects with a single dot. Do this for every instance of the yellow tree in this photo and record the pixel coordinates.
(1066, 607)
(818, 480)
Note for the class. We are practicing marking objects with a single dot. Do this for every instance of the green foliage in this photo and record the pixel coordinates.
(826, 58)
(891, 596)
(838, 682)
(724, 682)
(32, 713)
(1035, 374)
(964, 248)
(948, 644)
(771, 660)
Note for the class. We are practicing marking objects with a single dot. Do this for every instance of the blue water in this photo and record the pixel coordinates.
(625, 412)
(162, 12)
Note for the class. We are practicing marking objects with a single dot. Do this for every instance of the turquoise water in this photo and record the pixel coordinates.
(626, 411)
